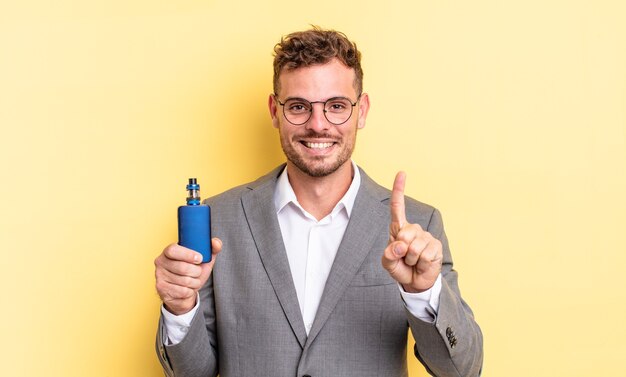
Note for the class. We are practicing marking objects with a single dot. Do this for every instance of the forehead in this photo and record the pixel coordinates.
(318, 81)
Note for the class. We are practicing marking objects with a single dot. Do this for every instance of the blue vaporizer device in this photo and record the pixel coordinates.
(194, 223)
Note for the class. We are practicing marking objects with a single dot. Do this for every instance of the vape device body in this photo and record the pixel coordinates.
(194, 223)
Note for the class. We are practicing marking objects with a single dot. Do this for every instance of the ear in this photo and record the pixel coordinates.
(273, 107)
(364, 107)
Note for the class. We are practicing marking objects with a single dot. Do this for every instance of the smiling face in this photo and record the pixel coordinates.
(318, 148)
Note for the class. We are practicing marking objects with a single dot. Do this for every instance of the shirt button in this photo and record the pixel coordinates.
(183, 329)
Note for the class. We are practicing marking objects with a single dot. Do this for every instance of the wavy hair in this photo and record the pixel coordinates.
(316, 46)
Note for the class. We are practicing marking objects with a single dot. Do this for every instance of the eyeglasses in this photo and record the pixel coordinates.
(337, 110)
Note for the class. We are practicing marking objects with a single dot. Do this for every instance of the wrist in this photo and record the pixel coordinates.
(409, 289)
(180, 309)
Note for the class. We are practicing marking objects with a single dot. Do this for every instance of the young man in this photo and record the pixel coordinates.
(322, 269)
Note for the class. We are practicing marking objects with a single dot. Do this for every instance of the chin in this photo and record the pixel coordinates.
(317, 169)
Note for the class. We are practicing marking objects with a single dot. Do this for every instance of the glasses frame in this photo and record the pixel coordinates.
(323, 108)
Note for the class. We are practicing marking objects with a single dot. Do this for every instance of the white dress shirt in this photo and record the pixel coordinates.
(311, 247)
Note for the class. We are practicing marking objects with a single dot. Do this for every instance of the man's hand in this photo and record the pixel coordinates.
(180, 273)
(413, 256)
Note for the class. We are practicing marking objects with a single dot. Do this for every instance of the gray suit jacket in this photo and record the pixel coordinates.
(249, 322)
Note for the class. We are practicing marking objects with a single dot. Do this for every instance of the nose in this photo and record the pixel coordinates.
(318, 121)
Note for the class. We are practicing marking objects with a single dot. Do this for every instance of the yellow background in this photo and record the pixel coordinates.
(509, 116)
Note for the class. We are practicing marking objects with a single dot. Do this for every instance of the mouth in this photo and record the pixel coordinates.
(312, 145)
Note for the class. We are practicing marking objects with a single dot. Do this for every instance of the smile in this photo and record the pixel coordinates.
(317, 145)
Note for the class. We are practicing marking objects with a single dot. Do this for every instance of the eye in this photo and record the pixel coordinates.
(297, 107)
(337, 105)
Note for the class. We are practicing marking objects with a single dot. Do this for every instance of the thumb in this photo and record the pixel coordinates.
(207, 269)
(393, 253)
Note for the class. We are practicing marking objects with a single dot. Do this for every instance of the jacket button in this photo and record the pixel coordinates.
(306, 375)
(452, 342)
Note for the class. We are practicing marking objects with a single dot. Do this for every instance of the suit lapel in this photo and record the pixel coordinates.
(258, 205)
(367, 220)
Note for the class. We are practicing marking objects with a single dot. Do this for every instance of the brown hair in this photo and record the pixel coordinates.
(316, 46)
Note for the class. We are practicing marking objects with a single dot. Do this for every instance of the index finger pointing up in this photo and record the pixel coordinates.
(398, 215)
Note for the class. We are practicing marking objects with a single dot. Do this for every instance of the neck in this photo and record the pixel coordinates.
(319, 195)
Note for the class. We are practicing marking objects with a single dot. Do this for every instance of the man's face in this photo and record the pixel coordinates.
(318, 148)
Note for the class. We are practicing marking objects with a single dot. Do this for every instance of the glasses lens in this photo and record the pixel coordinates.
(297, 111)
(338, 110)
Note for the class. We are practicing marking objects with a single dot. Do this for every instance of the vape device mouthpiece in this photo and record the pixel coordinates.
(193, 189)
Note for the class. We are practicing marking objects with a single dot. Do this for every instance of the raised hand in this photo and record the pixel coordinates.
(180, 273)
(413, 256)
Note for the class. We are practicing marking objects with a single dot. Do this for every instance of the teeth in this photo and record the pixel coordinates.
(318, 145)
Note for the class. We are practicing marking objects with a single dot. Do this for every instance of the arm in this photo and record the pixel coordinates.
(452, 344)
(179, 279)
(196, 354)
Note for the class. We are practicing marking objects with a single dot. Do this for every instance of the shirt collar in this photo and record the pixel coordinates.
(283, 193)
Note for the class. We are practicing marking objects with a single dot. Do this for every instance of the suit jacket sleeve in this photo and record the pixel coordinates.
(452, 345)
(196, 354)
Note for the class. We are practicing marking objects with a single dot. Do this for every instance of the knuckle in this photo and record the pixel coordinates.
(404, 236)
(186, 292)
(185, 268)
(189, 282)
(417, 245)
(190, 270)
(160, 260)
(177, 268)
(172, 251)
(388, 254)
(168, 250)
(175, 292)
(197, 284)
(430, 255)
(196, 271)
(160, 287)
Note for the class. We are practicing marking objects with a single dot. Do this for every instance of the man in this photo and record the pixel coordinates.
(322, 269)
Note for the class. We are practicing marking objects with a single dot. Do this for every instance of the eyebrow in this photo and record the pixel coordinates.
(296, 98)
(327, 99)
